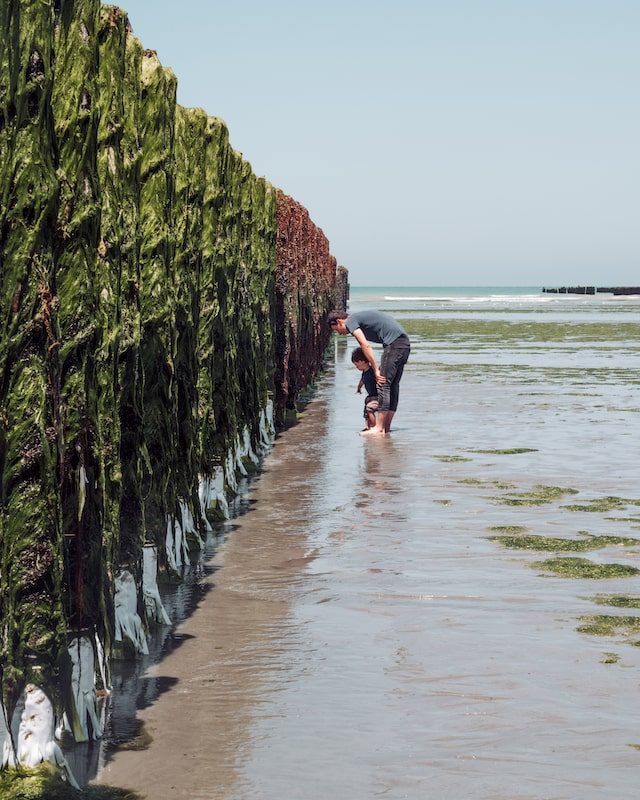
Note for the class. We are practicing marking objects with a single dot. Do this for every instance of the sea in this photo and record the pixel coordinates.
(446, 612)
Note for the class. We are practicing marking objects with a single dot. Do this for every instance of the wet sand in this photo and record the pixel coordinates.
(361, 637)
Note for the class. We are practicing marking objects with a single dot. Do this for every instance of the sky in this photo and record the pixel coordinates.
(435, 142)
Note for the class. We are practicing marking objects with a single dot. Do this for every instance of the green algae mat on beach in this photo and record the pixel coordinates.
(609, 625)
(558, 544)
(537, 496)
(485, 332)
(583, 568)
(44, 783)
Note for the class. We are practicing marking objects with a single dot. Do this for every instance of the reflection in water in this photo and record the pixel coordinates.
(242, 632)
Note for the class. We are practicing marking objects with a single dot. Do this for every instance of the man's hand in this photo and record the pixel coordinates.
(380, 378)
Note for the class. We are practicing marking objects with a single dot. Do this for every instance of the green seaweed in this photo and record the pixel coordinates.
(44, 783)
(557, 544)
(617, 600)
(609, 625)
(512, 529)
(583, 568)
(602, 504)
(610, 658)
(509, 451)
(496, 331)
(539, 495)
(479, 482)
(451, 459)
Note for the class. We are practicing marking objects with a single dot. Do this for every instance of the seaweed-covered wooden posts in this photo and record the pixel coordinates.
(341, 294)
(157, 303)
(32, 634)
(117, 304)
(188, 213)
(78, 286)
(305, 284)
(161, 308)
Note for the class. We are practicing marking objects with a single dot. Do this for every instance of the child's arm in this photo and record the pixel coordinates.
(360, 385)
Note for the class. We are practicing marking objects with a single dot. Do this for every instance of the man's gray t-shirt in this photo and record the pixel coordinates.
(376, 326)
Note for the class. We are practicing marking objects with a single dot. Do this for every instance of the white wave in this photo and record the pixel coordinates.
(491, 298)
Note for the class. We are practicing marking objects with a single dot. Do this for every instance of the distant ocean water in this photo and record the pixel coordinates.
(488, 295)
(409, 301)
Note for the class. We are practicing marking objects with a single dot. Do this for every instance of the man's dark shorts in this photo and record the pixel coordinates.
(394, 357)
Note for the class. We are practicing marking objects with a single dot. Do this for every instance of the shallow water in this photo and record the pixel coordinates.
(357, 635)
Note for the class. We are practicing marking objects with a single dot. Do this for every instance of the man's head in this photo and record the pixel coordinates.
(336, 321)
(359, 359)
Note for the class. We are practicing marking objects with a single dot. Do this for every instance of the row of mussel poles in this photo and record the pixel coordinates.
(162, 307)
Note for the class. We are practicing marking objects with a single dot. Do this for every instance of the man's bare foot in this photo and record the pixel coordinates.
(372, 432)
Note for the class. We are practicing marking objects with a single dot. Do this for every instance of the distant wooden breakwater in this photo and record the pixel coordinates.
(618, 290)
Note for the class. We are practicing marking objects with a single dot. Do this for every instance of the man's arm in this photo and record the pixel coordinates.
(368, 352)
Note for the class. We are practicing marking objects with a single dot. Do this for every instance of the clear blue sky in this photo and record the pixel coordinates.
(442, 142)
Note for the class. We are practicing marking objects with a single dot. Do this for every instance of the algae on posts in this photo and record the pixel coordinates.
(187, 211)
(158, 298)
(126, 197)
(33, 629)
(79, 283)
(117, 304)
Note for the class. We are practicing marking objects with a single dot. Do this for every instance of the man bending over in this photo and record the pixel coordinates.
(376, 326)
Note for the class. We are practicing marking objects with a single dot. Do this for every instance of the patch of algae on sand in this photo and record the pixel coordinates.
(478, 482)
(504, 529)
(609, 625)
(610, 658)
(509, 451)
(617, 600)
(491, 331)
(583, 568)
(44, 783)
(609, 503)
(451, 459)
(556, 544)
(538, 496)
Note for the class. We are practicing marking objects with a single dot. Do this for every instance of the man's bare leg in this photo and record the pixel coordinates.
(387, 420)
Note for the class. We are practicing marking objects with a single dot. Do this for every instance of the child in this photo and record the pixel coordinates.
(368, 380)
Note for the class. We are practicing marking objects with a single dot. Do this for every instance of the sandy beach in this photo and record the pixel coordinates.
(358, 634)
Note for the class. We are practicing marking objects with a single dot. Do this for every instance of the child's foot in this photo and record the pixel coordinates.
(371, 432)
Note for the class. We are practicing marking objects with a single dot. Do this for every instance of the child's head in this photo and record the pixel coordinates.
(359, 359)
